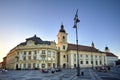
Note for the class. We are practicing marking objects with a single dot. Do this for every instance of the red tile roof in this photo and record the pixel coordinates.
(82, 48)
(110, 54)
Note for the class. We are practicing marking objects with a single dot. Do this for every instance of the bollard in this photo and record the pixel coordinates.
(82, 73)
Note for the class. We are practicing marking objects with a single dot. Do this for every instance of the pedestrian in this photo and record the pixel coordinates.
(108, 68)
(52, 70)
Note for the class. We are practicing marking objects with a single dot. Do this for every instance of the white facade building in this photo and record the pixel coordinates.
(111, 58)
(36, 53)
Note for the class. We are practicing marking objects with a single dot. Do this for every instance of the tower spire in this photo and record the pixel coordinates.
(92, 44)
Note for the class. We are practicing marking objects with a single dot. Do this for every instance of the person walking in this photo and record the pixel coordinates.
(52, 70)
(108, 68)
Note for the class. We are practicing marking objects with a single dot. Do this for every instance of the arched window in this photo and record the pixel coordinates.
(29, 52)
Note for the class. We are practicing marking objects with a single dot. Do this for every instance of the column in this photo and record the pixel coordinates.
(98, 60)
(84, 60)
(21, 65)
(72, 59)
(93, 60)
(26, 65)
(20, 56)
(31, 65)
(89, 60)
(26, 55)
(46, 58)
(38, 55)
(32, 53)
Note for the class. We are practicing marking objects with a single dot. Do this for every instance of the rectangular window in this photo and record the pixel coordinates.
(24, 53)
(17, 58)
(29, 57)
(43, 51)
(29, 66)
(86, 62)
(96, 63)
(74, 57)
(100, 62)
(34, 57)
(35, 52)
(24, 66)
(49, 54)
(24, 58)
(81, 62)
(63, 47)
(91, 55)
(81, 55)
(17, 53)
(34, 65)
(86, 56)
(96, 56)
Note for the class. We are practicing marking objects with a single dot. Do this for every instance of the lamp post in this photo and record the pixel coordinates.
(76, 20)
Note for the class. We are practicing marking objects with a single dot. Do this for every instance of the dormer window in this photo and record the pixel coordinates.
(30, 42)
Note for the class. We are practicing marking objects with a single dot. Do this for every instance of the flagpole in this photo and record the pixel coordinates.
(76, 20)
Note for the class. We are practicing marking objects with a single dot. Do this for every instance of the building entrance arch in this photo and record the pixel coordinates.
(64, 65)
(16, 66)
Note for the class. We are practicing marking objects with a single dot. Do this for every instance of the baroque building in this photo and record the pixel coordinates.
(36, 53)
(32, 54)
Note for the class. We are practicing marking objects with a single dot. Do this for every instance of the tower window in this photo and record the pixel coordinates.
(63, 37)
(63, 47)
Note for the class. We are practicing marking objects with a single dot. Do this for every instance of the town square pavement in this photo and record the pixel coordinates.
(65, 74)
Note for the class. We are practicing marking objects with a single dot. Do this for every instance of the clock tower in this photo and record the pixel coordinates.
(62, 47)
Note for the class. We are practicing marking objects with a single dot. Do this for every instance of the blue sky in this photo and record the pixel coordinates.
(99, 22)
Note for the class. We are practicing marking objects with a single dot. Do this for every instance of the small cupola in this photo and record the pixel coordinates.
(107, 49)
(62, 28)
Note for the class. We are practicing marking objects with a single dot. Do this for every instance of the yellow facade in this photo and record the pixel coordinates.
(32, 56)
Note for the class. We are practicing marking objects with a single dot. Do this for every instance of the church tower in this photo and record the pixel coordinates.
(62, 47)
(62, 39)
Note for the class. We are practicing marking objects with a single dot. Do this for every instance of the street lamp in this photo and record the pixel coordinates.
(76, 20)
